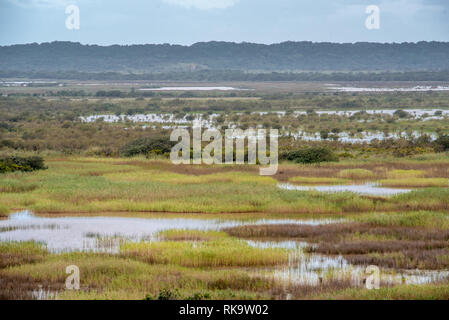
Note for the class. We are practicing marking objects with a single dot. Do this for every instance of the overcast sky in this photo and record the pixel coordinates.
(188, 21)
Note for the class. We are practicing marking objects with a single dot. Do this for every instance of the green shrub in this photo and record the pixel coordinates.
(311, 155)
(155, 145)
(401, 114)
(28, 164)
(167, 294)
(442, 143)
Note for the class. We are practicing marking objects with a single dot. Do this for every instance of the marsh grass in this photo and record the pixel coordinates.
(64, 188)
(190, 235)
(415, 183)
(3, 211)
(93, 185)
(30, 227)
(425, 219)
(403, 292)
(318, 181)
(434, 166)
(407, 258)
(107, 276)
(25, 287)
(405, 174)
(426, 199)
(112, 277)
(391, 242)
(17, 253)
(16, 186)
(217, 253)
(213, 269)
(356, 174)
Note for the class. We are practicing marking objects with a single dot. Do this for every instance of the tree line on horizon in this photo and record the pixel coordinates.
(284, 57)
(225, 75)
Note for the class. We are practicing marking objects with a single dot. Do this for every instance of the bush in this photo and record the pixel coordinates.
(401, 114)
(167, 294)
(14, 163)
(442, 143)
(154, 145)
(311, 155)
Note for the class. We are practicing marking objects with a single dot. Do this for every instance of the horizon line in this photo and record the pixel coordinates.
(224, 42)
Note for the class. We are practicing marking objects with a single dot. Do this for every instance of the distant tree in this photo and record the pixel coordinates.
(442, 143)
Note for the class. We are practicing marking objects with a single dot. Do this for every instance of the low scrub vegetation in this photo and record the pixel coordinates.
(24, 164)
(442, 143)
(148, 146)
(310, 155)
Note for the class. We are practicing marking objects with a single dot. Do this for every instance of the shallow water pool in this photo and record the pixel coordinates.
(62, 234)
(368, 189)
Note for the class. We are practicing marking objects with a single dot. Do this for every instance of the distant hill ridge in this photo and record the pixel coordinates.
(286, 56)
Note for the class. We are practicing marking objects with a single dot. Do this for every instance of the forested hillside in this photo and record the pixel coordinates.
(287, 56)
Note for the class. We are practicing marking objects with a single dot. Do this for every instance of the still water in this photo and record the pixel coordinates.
(368, 189)
(62, 234)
